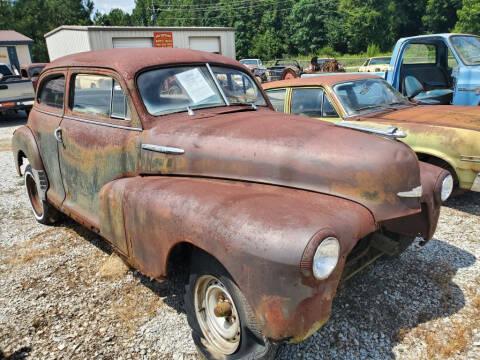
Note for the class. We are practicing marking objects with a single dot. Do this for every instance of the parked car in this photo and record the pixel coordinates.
(283, 68)
(32, 72)
(15, 94)
(446, 136)
(166, 154)
(256, 66)
(375, 64)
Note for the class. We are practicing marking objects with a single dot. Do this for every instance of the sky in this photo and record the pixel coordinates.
(104, 6)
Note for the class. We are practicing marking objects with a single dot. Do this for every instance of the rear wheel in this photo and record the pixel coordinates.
(222, 322)
(44, 212)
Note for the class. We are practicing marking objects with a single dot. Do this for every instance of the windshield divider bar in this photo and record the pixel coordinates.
(218, 85)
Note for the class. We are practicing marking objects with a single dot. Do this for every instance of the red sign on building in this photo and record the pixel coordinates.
(163, 39)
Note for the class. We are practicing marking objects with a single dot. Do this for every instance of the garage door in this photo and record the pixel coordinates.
(120, 43)
(207, 43)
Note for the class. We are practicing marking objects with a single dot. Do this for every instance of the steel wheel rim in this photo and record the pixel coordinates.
(33, 195)
(222, 333)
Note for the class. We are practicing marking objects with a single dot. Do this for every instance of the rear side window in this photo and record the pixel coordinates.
(307, 102)
(52, 91)
(277, 98)
(99, 95)
(420, 54)
(328, 109)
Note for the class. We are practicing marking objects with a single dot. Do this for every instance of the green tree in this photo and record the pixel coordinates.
(406, 17)
(308, 24)
(366, 22)
(469, 18)
(6, 10)
(441, 15)
(116, 17)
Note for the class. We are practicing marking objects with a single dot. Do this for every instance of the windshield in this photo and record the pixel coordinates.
(249, 62)
(165, 91)
(380, 61)
(365, 95)
(35, 71)
(285, 62)
(468, 47)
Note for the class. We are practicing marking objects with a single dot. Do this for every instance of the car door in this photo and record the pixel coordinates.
(100, 138)
(312, 102)
(44, 121)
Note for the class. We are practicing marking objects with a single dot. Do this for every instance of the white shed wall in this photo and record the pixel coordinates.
(23, 54)
(66, 42)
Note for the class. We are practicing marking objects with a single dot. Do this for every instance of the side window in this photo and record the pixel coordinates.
(328, 109)
(277, 98)
(452, 62)
(420, 54)
(99, 95)
(307, 102)
(51, 91)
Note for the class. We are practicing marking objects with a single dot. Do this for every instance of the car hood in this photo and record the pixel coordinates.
(268, 147)
(466, 117)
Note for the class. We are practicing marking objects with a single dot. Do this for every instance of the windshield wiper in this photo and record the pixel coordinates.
(369, 107)
(254, 107)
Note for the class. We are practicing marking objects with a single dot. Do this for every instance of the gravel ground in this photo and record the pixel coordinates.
(64, 296)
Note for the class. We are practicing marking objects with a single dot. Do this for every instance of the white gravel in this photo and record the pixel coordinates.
(57, 303)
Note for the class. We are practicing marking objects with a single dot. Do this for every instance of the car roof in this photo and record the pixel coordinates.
(316, 80)
(130, 60)
(436, 36)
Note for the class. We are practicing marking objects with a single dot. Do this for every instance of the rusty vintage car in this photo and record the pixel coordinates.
(169, 152)
(445, 136)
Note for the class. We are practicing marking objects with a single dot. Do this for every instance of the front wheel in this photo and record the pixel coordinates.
(44, 212)
(223, 324)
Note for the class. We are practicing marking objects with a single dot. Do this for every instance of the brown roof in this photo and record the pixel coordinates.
(129, 61)
(13, 37)
(316, 80)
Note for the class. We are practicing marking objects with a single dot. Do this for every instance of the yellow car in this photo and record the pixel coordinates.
(375, 64)
(443, 135)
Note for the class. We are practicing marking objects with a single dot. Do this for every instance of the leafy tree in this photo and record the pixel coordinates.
(116, 17)
(6, 10)
(469, 18)
(406, 17)
(308, 24)
(441, 15)
(366, 22)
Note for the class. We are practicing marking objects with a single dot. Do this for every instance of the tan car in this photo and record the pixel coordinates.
(443, 135)
(375, 64)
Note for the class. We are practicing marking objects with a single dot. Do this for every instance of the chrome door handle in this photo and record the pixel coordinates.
(58, 134)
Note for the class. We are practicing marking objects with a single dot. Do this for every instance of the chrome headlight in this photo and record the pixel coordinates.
(447, 187)
(326, 258)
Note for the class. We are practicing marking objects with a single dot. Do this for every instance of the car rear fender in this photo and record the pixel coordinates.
(24, 145)
(265, 237)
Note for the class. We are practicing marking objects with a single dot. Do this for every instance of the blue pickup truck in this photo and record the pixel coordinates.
(437, 69)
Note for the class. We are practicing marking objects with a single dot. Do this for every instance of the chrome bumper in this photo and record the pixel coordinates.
(476, 183)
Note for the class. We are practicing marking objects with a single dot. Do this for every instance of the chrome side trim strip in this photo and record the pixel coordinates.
(470, 158)
(415, 192)
(218, 84)
(392, 131)
(163, 149)
(47, 112)
(102, 123)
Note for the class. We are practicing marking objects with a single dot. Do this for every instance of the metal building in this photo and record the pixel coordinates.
(15, 48)
(67, 39)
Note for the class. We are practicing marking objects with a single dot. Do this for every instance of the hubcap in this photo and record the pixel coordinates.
(217, 315)
(33, 195)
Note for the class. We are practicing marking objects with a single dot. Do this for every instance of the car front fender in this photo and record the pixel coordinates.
(265, 237)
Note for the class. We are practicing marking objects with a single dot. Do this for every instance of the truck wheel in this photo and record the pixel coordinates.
(223, 324)
(44, 212)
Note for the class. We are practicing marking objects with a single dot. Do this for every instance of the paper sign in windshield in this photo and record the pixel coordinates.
(195, 85)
